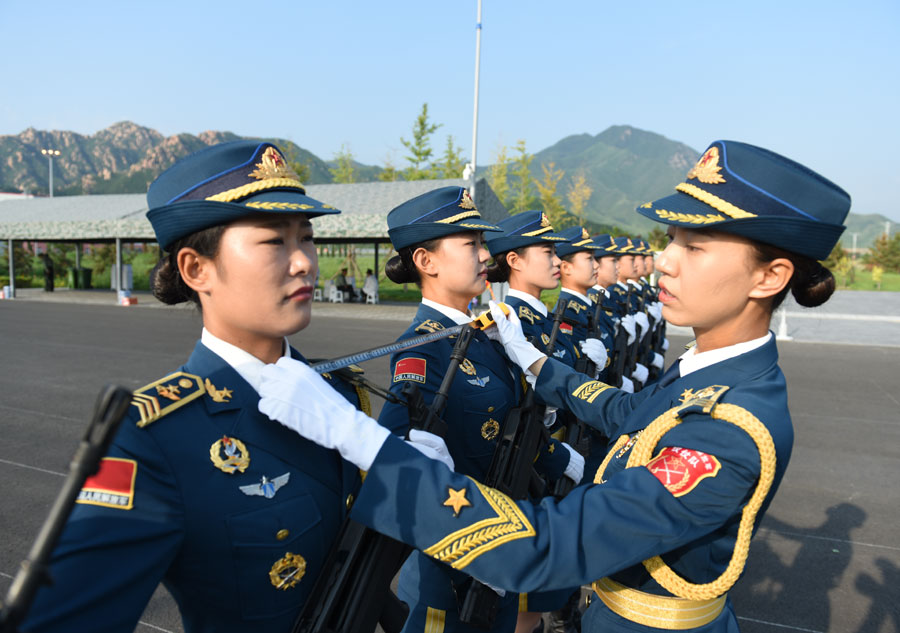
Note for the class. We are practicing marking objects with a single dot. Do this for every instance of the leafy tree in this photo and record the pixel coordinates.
(452, 162)
(578, 195)
(343, 173)
(886, 253)
(657, 238)
(292, 156)
(498, 176)
(390, 172)
(523, 197)
(550, 202)
(419, 147)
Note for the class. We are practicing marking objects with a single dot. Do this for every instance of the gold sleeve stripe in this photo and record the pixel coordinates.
(463, 546)
(590, 390)
(434, 620)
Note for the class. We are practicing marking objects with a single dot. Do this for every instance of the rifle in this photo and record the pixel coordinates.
(112, 404)
(352, 594)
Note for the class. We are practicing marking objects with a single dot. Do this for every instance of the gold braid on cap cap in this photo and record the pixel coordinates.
(714, 201)
(459, 216)
(245, 190)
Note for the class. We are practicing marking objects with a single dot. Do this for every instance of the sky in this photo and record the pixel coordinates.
(816, 81)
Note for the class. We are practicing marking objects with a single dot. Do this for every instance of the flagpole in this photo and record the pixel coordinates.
(475, 114)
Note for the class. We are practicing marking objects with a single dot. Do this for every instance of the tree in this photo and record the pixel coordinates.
(886, 253)
(420, 147)
(523, 197)
(292, 156)
(343, 173)
(390, 172)
(657, 238)
(550, 202)
(498, 176)
(452, 162)
(578, 195)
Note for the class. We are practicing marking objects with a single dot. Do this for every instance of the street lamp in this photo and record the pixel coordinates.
(50, 153)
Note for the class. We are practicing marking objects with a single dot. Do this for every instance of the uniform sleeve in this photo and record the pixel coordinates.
(419, 367)
(110, 559)
(552, 460)
(596, 530)
(597, 404)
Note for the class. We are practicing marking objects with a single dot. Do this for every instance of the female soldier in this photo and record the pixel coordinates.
(231, 512)
(698, 457)
(438, 240)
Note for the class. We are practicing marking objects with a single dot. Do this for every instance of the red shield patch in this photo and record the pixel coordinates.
(410, 369)
(681, 469)
(112, 486)
(565, 328)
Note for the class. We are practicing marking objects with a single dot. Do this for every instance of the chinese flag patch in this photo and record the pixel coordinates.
(681, 469)
(112, 486)
(410, 369)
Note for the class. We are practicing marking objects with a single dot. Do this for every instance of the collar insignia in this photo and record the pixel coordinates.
(218, 395)
(456, 499)
(707, 168)
(273, 165)
(266, 487)
(229, 454)
(526, 313)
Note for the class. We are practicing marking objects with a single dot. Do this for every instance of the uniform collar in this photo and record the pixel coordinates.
(460, 318)
(691, 361)
(622, 285)
(602, 290)
(531, 301)
(577, 294)
(247, 366)
(634, 283)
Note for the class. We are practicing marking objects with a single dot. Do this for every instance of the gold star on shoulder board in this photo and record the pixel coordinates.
(457, 500)
(687, 394)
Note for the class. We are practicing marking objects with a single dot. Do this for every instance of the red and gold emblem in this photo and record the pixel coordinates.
(681, 469)
(466, 202)
(707, 168)
(273, 165)
(229, 454)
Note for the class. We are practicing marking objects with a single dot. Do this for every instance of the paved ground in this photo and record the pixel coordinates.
(826, 559)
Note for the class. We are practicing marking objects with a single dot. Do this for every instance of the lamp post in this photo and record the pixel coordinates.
(470, 168)
(50, 153)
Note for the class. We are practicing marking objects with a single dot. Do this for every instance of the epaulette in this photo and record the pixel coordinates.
(426, 327)
(163, 396)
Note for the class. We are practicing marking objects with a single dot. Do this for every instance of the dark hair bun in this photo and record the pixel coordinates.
(398, 271)
(497, 273)
(167, 284)
(812, 284)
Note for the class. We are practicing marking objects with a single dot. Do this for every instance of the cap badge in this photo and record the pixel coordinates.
(585, 235)
(545, 221)
(707, 168)
(229, 454)
(273, 166)
(466, 202)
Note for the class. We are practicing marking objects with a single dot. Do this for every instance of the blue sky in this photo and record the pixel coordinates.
(816, 81)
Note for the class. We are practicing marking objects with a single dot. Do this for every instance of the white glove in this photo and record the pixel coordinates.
(595, 350)
(431, 446)
(640, 373)
(641, 319)
(549, 416)
(299, 398)
(520, 351)
(627, 385)
(655, 310)
(657, 361)
(575, 469)
(627, 322)
(665, 344)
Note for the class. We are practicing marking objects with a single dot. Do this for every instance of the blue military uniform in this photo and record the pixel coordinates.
(232, 512)
(697, 457)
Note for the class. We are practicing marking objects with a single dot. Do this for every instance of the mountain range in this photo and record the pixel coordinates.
(623, 165)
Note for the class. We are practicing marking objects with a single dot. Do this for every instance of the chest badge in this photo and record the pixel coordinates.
(266, 487)
(467, 367)
(229, 454)
(560, 353)
(287, 571)
(490, 429)
(479, 382)
(456, 499)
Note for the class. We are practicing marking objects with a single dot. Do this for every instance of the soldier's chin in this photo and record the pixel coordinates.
(673, 318)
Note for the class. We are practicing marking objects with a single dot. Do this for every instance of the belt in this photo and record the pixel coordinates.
(657, 611)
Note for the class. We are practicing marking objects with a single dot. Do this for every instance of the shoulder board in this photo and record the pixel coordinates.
(163, 396)
(426, 327)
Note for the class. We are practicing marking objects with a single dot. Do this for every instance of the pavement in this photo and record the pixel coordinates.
(827, 556)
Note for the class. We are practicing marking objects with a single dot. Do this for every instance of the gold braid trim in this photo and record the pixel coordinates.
(691, 218)
(598, 476)
(460, 216)
(245, 190)
(642, 453)
(546, 229)
(463, 546)
(714, 201)
(279, 206)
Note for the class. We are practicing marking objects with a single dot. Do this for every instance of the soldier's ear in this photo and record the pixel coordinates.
(196, 270)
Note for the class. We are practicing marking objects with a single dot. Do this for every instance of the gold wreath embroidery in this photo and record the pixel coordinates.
(218, 395)
(463, 546)
(707, 168)
(691, 218)
(287, 571)
(490, 429)
(467, 367)
(466, 202)
(272, 165)
(229, 454)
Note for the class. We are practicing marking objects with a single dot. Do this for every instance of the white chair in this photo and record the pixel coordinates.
(336, 296)
(317, 294)
(372, 297)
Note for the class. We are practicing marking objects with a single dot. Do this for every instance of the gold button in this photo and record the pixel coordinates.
(490, 409)
(349, 501)
(282, 534)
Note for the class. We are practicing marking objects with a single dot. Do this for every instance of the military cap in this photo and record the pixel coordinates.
(223, 183)
(749, 191)
(607, 246)
(577, 240)
(624, 245)
(522, 229)
(435, 214)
